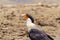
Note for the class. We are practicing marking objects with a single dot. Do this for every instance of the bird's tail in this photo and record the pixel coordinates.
(50, 37)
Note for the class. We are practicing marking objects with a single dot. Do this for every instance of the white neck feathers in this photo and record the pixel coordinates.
(29, 21)
(30, 25)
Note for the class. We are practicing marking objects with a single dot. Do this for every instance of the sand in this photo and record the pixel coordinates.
(13, 27)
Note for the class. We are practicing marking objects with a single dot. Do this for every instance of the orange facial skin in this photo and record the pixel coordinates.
(25, 16)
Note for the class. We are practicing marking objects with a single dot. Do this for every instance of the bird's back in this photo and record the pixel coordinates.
(36, 34)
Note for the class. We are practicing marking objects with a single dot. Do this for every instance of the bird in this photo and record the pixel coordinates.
(35, 33)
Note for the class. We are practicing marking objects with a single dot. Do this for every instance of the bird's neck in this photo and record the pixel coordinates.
(30, 25)
(29, 21)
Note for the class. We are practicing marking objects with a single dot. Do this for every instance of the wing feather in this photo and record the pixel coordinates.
(35, 34)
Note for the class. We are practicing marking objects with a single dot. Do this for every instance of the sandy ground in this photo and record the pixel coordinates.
(29, 1)
(13, 27)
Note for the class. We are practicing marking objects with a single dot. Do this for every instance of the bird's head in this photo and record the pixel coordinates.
(26, 16)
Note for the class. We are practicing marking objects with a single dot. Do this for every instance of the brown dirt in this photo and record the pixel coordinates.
(13, 27)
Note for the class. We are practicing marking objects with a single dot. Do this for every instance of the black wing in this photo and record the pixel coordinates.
(35, 34)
